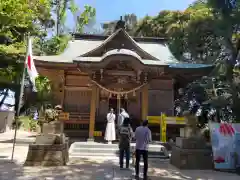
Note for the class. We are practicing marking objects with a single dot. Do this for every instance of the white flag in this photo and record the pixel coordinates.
(30, 66)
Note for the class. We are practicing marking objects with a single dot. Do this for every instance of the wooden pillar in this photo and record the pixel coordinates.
(63, 82)
(144, 102)
(92, 113)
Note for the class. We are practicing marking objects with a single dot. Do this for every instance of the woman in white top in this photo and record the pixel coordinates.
(110, 133)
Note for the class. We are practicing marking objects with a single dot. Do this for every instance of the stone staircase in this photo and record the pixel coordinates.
(87, 149)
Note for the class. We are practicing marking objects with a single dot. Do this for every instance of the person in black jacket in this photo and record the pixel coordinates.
(125, 137)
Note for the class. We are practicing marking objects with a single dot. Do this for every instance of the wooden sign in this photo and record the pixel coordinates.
(154, 119)
(98, 133)
(64, 116)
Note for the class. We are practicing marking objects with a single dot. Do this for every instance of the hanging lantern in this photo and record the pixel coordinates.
(94, 76)
(134, 93)
(101, 72)
(145, 78)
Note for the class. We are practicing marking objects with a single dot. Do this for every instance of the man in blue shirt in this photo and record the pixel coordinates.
(143, 137)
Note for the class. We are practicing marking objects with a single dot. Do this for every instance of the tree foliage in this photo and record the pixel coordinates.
(44, 90)
(81, 17)
(206, 32)
(36, 18)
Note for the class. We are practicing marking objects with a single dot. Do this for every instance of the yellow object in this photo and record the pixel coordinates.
(163, 127)
(98, 133)
(163, 120)
(169, 120)
(64, 116)
(154, 119)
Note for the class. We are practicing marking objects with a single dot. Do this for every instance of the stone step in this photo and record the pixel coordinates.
(108, 155)
(99, 149)
(108, 151)
(79, 145)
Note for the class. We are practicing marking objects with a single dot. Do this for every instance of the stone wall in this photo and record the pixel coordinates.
(191, 153)
(6, 120)
(47, 155)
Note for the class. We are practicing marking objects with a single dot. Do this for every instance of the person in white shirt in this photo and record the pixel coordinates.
(123, 114)
(110, 133)
(143, 137)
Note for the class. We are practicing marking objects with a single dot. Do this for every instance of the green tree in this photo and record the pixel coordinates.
(87, 16)
(206, 32)
(43, 86)
(57, 43)
(16, 19)
(81, 18)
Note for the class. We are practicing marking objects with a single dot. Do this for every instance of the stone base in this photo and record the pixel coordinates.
(47, 155)
(50, 139)
(191, 158)
(90, 140)
(54, 127)
(190, 143)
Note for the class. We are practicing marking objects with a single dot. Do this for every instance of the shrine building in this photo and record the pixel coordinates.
(96, 73)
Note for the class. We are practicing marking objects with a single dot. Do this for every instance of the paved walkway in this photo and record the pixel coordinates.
(100, 169)
(90, 168)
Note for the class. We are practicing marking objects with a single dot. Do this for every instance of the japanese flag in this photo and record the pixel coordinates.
(30, 67)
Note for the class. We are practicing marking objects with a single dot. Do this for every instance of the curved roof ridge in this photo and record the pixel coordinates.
(129, 37)
(103, 43)
(121, 51)
(154, 58)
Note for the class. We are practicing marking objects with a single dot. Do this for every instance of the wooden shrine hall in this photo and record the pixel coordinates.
(96, 73)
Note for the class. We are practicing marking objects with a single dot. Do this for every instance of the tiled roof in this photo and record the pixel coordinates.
(188, 65)
(120, 52)
(77, 48)
(157, 52)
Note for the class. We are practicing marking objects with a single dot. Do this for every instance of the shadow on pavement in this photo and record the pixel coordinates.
(163, 170)
(79, 169)
(9, 170)
(102, 169)
(18, 141)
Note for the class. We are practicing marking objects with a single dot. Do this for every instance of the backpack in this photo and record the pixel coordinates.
(125, 137)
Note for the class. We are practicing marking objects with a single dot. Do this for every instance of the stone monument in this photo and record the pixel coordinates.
(190, 150)
(50, 147)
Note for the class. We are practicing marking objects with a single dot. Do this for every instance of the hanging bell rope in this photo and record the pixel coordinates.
(120, 93)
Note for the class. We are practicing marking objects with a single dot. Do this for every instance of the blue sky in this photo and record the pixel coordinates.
(108, 10)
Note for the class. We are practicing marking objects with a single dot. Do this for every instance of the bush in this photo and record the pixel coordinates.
(32, 124)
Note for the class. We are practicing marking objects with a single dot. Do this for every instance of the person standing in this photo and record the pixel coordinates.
(143, 137)
(110, 133)
(125, 137)
(123, 114)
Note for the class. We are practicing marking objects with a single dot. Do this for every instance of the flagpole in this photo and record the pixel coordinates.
(19, 101)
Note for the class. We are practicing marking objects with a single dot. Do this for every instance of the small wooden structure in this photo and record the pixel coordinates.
(98, 72)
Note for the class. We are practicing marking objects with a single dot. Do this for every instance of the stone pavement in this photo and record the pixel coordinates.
(100, 169)
(95, 168)
(23, 137)
(21, 148)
